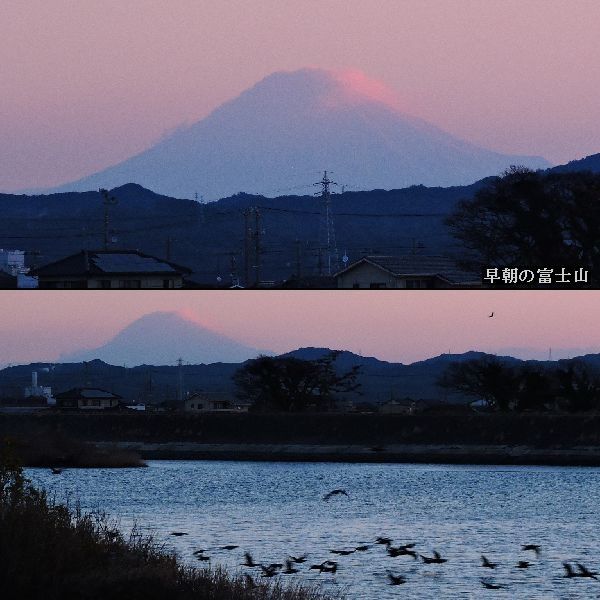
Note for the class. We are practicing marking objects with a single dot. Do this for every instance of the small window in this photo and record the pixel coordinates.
(130, 284)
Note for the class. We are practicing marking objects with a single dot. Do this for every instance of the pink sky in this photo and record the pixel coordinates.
(394, 326)
(87, 84)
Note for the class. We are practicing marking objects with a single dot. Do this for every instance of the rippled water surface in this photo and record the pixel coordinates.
(276, 509)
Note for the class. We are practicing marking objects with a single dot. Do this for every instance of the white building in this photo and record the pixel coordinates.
(39, 391)
(12, 261)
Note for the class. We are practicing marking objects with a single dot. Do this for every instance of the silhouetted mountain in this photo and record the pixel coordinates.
(589, 163)
(280, 133)
(161, 338)
(380, 380)
(210, 238)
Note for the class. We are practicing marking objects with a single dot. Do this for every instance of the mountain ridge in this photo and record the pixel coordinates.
(291, 125)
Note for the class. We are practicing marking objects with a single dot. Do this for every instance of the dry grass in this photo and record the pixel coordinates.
(50, 551)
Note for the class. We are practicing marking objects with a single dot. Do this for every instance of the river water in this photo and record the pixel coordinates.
(276, 509)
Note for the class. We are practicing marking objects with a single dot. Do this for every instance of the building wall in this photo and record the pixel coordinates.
(368, 276)
(120, 282)
(364, 276)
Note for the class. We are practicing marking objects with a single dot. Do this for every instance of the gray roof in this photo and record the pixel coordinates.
(110, 262)
(130, 263)
(418, 265)
(87, 393)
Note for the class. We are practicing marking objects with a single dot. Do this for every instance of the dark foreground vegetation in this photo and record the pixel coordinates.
(55, 449)
(51, 551)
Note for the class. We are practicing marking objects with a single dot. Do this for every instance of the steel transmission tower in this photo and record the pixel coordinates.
(327, 243)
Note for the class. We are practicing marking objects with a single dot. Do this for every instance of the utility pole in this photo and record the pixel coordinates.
(298, 259)
(247, 234)
(326, 228)
(107, 201)
(180, 380)
(252, 249)
(257, 246)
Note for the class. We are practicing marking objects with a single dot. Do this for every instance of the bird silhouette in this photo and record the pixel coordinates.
(569, 572)
(362, 548)
(298, 559)
(202, 557)
(490, 316)
(178, 533)
(269, 570)
(56, 470)
(436, 559)
(396, 579)
(229, 547)
(523, 564)
(489, 585)
(534, 547)
(383, 540)
(485, 562)
(289, 568)
(328, 566)
(198, 552)
(343, 552)
(585, 572)
(338, 492)
(248, 560)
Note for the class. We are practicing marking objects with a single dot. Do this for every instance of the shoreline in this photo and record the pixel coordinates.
(393, 453)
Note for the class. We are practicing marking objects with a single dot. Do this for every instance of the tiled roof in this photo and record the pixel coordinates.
(88, 393)
(110, 262)
(418, 265)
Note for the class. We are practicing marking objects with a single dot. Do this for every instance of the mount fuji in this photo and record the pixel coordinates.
(279, 134)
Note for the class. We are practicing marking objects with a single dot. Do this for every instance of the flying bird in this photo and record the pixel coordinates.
(436, 559)
(56, 470)
(490, 316)
(485, 562)
(178, 533)
(488, 585)
(585, 572)
(248, 560)
(289, 568)
(343, 552)
(229, 547)
(298, 559)
(362, 548)
(534, 547)
(338, 492)
(396, 579)
(523, 564)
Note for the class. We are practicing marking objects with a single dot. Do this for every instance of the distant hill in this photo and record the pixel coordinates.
(380, 380)
(161, 338)
(210, 238)
(589, 163)
(280, 133)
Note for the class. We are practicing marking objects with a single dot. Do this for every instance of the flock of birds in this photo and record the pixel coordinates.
(291, 564)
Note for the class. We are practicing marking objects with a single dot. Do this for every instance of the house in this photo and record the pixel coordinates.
(87, 399)
(214, 402)
(399, 407)
(413, 271)
(111, 269)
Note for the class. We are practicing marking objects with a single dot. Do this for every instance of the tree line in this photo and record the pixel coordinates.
(532, 220)
(572, 385)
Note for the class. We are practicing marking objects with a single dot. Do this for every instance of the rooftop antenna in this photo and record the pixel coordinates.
(326, 228)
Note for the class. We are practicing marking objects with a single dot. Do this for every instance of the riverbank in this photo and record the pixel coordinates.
(398, 453)
(50, 551)
(529, 438)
